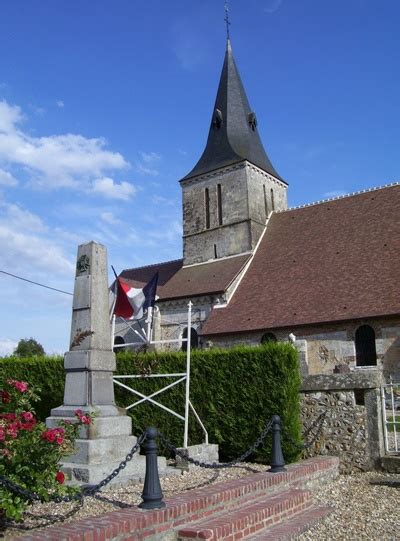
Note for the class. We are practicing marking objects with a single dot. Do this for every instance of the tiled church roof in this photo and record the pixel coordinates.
(176, 281)
(332, 261)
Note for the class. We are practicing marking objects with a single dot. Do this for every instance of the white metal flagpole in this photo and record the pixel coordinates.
(112, 331)
(188, 346)
(149, 323)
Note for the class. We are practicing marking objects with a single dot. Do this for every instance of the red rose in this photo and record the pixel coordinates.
(27, 416)
(49, 435)
(21, 386)
(60, 477)
(86, 420)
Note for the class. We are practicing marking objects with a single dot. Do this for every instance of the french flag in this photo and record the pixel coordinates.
(131, 302)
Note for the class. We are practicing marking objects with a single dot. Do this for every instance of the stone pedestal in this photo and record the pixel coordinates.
(89, 367)
(204, 452)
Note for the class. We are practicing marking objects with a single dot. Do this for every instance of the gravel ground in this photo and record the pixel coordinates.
(362, 510)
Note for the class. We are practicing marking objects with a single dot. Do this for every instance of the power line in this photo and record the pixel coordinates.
(35, 283)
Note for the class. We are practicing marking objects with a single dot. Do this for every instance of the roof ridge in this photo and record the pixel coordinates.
(344, 196)
(249, 252)
(153, 265)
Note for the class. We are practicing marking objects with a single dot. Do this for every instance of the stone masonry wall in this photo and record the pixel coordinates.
(344, 430)
(324, 346)
(352, 429)
(246, 200)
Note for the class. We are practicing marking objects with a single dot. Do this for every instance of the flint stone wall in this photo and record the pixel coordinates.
(344, 430)
(353, 432)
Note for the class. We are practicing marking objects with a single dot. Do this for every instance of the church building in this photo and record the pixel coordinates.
(326, 274)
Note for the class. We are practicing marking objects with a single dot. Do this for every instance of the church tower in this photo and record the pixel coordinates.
(229, 194)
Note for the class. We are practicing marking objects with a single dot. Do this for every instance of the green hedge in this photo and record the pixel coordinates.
(233, 390)
(46, 373)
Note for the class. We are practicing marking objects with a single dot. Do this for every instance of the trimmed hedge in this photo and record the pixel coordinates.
(46, 373)
(233, 390)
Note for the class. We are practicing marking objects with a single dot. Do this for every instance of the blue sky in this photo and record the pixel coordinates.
(105, 105)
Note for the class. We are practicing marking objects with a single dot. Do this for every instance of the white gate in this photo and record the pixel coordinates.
(391, 416)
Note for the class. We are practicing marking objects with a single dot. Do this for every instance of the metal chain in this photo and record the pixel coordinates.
(87, 491)
(319, 422)
(90, 491)
(46, 520)
(184, 455)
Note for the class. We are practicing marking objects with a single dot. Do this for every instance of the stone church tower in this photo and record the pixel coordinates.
(229, 194)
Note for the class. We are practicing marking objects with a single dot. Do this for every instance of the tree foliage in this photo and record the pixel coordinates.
(28, 347)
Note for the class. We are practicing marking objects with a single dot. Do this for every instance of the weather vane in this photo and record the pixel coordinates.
(227, 19)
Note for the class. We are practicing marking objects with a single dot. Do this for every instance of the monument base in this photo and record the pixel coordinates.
(101, 447)
(204, 452)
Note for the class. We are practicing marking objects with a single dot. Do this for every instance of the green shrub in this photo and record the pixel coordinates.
(235, 391)
(46, 373)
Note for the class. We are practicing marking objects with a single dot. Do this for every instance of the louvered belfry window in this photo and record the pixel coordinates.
(207, 207)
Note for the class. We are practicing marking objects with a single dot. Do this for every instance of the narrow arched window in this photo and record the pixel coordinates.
(118, 341)
(207, 207)
(194, 339)
(365, 346)
(219, 201)
(272, 200)
(268, 337)
(265, 201)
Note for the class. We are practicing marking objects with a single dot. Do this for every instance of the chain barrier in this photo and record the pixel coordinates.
(319, 423)
(46, 520)
(184, 455)
(90, 491)
(87, 491)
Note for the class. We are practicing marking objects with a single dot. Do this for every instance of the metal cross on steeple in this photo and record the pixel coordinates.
(227, 19)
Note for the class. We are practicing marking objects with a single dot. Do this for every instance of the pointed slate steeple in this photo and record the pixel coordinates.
(233, 135)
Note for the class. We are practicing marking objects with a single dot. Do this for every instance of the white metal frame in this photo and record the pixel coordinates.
(387, 393)
(182, 377)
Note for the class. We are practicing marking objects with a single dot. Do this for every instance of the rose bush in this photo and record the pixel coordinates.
(30, 452)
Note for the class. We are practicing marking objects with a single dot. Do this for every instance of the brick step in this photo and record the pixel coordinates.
(248, 518)
(292, 527)
(193, 505)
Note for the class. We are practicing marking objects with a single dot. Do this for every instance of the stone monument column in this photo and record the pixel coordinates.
(89, 365)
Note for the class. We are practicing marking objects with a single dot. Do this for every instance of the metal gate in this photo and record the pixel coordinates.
(391, 416)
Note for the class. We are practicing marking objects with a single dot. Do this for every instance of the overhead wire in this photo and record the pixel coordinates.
(35, 283)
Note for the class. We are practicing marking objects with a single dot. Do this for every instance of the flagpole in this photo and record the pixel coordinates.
(188, 346)
(112, 331)
(149, 322)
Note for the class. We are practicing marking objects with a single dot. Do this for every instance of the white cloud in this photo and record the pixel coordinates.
(333, 193)
(113, 190)
(6, 179)
(7, 346)
(40, 111)
(27, 246)
(159, 199)
(56, 160)
(21, 219)
(109, 218)
(272, 5)
(10, 115)
(60, 103)
(168, 234)
(150, 157)
(143, 170)
(147, 164)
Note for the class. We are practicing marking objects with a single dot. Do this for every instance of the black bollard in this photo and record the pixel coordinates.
(152, 495)
(277, 460)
